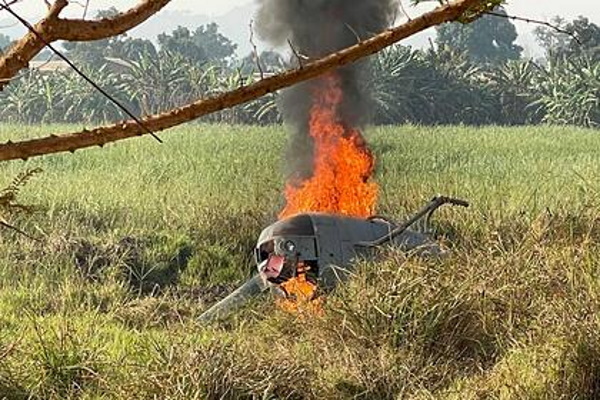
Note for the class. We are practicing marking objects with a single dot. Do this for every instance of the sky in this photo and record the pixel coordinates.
(535, 9)
(544, 9)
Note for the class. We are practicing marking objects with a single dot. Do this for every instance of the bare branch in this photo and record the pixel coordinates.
(85, 9)
(101, 136)
(404, 10)
(537, 22)
(6, 225)
(53, 28)
(78, 30)
(299, 57)
(19, 54)
(255, 52)
(356, 35)
(85, 77)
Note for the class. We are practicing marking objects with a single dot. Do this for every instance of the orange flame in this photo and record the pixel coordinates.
(302, 295)
(340, 183)
(342, 163)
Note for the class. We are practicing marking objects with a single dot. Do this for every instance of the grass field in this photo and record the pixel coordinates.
(139, 238)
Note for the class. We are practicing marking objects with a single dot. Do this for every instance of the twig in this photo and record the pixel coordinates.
(535, 21)
(404, 10)
(54, 28)
(85, 9)
(78, 71)
(10, 3)
(255, 51)
(46, 62)
(300, 57)
(351, 29)
(5, 224)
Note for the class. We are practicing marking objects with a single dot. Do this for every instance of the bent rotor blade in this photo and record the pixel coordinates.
(252, 288)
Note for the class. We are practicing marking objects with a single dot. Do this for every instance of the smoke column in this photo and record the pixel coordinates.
(316, 28)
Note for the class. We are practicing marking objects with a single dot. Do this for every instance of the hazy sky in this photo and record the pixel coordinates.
(536, 9)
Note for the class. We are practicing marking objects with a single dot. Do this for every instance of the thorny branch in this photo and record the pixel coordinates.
(80, 73)
(128, 129)
(52, 28)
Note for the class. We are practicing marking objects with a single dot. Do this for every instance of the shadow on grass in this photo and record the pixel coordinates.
(148, 265)
(579, 371)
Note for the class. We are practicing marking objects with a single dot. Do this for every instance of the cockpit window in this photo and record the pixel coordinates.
(264, 251)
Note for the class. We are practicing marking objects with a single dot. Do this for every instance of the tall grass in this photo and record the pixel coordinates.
(139, 238)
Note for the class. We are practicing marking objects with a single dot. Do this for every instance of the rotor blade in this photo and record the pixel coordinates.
(235, 300)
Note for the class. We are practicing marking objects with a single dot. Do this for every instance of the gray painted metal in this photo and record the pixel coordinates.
(235, 300)
(328, 240)
(329, 243)
(334, 242)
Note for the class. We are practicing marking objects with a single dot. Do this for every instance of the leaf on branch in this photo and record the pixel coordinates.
(477, 10)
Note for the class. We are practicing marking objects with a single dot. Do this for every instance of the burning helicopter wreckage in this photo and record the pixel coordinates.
(328, 220)
(299, 255)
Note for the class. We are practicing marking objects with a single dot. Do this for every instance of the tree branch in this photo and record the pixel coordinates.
(79, 30)
(537, 22)
(53, 28)
(101, 136)
(19, 55)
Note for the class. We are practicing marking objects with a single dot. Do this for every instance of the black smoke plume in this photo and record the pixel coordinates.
(315, 28)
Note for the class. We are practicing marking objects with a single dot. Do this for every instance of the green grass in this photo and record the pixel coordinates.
(139, 238)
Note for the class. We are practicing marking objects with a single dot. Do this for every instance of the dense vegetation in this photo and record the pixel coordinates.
(474, 75)
(138, 239)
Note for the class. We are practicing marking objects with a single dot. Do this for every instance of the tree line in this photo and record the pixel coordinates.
(472, 74)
